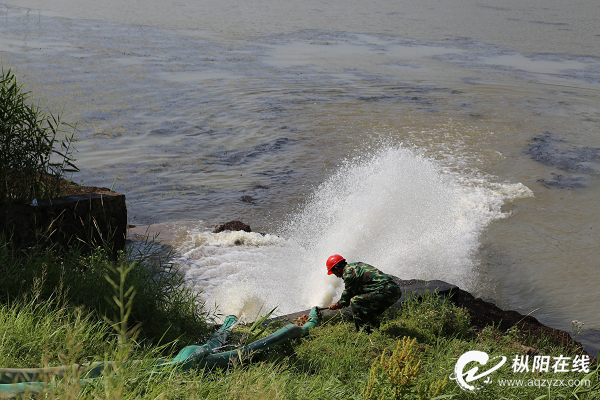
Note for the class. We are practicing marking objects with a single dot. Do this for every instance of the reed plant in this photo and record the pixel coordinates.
(35, 149)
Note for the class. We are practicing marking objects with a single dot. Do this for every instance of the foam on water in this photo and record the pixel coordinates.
(391, 208)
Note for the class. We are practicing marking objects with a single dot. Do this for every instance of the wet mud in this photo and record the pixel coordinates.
(578, 163)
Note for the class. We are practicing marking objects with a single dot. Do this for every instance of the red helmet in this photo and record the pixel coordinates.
(332, 262)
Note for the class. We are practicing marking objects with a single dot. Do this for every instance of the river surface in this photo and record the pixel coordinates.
(454, 140)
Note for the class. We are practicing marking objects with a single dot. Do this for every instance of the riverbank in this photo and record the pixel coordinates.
(483, 313)
(332, 362)
(425, 336)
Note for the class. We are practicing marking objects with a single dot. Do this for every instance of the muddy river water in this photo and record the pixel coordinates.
(454, 140)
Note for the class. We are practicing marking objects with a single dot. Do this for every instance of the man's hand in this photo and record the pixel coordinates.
(335, 306)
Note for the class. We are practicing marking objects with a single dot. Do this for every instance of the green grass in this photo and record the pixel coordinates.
(37, 334)
(64, 307)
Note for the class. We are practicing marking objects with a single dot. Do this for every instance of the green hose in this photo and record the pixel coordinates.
(15, 381)
(284, 334)
(189, 356)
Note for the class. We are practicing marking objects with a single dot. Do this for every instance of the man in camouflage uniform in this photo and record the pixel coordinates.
(368, 291)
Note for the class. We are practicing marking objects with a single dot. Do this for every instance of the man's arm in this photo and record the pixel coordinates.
(344, 301)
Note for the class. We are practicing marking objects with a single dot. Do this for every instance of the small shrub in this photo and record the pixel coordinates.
(400, 369)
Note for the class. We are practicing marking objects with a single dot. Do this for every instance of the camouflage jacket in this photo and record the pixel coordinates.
(361, 278)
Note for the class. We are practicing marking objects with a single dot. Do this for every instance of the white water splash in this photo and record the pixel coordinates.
(393, 209)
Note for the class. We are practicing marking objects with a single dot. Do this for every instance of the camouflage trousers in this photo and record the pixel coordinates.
(366, 308)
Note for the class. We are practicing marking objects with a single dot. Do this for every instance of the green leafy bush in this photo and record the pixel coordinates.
(33, 158)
